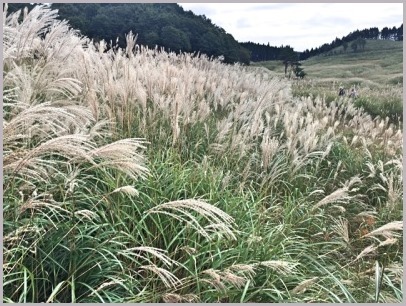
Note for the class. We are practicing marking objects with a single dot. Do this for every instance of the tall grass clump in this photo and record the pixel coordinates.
(140, 175)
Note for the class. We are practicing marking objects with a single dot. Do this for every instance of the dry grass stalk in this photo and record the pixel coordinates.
(123, 156)
(177, 298)
(87, 214)
(245, 269)
(234, 279)
(218, 279)
(367, 214)
(366, 251)
(155, 252)
(396, 271)
(20, 232)
(304, 285)
(216, 217)
(387, 230)
(388, 241)
(340, 195)
(107, 284)
(341, 228)
(37, 203)
(129, 190)
(168, 278)
(280, 266)
(215, 279)
(68, 147)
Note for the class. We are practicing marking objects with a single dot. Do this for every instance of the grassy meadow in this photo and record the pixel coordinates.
(375, 72)
(138, 175)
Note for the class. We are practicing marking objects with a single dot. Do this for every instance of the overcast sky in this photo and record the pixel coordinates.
(300, 25)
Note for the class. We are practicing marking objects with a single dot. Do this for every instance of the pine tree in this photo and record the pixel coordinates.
(299, 71)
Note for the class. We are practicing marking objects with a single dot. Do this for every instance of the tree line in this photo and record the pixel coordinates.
(355, 40)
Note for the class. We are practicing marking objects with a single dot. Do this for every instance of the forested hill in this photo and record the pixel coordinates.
(354, 40)
(167, 25)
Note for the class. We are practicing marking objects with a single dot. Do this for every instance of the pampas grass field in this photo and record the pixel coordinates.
(137, 175)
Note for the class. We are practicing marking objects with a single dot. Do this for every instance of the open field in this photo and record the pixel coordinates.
(138, 175)
(380, 64)
(376, 73)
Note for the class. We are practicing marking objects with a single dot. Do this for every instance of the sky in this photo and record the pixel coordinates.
(300, 25)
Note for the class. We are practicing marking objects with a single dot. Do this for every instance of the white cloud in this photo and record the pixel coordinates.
(300, 25)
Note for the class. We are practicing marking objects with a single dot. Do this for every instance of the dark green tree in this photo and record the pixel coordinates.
(385, 33)
(175, 39)
(400, 33)
(288, 56)
(298, 70)
(152, 39)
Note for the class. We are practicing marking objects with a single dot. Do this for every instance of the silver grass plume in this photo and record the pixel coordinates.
(181, 209)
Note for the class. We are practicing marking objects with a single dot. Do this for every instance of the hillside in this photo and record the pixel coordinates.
(381, 63)
(263, 52)
(156, 24)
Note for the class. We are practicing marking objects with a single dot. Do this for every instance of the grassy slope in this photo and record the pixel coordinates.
(381, 63)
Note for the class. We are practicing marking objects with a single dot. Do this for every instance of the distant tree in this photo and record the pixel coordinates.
(362, 43)
(385, 33)
(298, 71)
(99, 28)
(210, 43)
(373, 33)
(400, 33)
(345, 46)
(244, 55)
(175, 39)
(354, 46)
(304, 55)
(288, 56)
(336, 42)
(152, 39)
(262, 52)
(393, 33)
